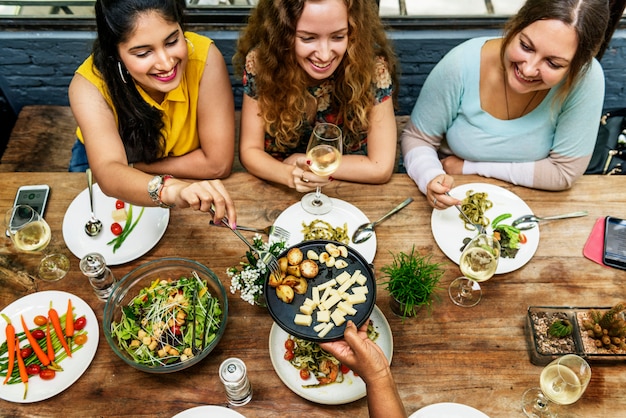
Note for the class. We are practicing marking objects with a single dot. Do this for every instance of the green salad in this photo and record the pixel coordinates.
(157, 326)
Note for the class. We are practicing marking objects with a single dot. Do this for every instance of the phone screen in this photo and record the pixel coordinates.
(615, 242)
(33, 196)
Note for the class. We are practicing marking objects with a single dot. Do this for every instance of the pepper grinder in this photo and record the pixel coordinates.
(100, 276)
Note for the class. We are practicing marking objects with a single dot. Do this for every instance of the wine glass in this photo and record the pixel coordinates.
(478, 263)
(324, 152)
(562, 382)
(30, 233)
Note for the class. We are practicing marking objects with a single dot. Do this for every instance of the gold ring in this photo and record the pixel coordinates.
(303, 179)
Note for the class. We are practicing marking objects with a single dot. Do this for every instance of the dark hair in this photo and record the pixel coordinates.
(589, 18)
(139, 123)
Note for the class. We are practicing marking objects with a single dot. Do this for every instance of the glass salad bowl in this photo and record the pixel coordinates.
(149, 317)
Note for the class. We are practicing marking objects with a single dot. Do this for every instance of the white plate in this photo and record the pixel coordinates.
(73, 367)
(449, 230)
(343, 212)
(351, 389)
(448, 410)
(146, 234)
(212, 411)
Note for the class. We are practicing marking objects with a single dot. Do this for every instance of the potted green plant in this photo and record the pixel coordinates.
(412, 282)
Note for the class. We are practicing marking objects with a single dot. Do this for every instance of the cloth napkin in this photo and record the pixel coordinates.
(594, 247)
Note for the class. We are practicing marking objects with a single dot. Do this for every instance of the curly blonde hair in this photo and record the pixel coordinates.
(271, 31)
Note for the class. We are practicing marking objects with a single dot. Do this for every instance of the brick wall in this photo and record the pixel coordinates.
(38, 66)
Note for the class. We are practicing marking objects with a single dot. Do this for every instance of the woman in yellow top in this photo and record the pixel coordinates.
(154, 104)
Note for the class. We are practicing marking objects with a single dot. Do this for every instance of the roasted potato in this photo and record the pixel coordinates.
(285, 293)
(295, 256)
(294, 270)
(276, 279)
(309, 269)
(283, 263)
(301, 287)
(291, 281)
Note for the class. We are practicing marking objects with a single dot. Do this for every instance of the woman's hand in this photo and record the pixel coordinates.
(304, 180)
(205, 196)
(436, 192)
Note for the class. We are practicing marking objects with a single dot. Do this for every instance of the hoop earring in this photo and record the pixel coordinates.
(119, 67)
(193, 49)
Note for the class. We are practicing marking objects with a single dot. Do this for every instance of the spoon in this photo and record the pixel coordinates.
(535, 219)
(93, 225)
(364, 232)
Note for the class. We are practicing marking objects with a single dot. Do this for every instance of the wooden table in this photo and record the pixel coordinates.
(476, 356)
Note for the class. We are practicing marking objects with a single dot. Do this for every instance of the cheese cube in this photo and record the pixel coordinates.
(325, 295)
(315, 295)
(338, 317)
(306, 309)
(323, 316)
(342, 277)
(319, 327)
(346, 308)
(356, 298)
(346, 285)
(329, 283)
(361, 279)
(331, 301)
(304, 320)
(309, 302)
(119, 215)
(360, 289)
(326, 330)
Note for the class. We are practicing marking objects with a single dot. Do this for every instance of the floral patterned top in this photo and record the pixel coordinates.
(327, 111)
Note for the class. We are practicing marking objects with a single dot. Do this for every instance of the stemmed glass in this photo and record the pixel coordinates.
(30, 233)
(478, 263)
(562, 382)
(324, 151)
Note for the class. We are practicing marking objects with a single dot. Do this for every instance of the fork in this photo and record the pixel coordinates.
(264, 256)
(480, 228)
(272, 230)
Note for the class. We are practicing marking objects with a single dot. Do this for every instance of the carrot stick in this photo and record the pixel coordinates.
(69, 322)
(51, 353)
(43, 358)
(56, 322)
(21, 366)
(10, 332)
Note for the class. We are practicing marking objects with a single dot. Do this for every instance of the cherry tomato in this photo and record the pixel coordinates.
(40, 320)
(344, 369)
(47, 374)
(522, 238)
(176, 330)
(304, 374)
(290, 344)
(119, 204)
(33, 369)
(80, 323)
(80, 339)
(116, 228)
(38, 334)
(26, 352)
(289, 355)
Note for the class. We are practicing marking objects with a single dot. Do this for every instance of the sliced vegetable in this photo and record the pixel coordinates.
(22, 368)
(10, 333)
(56, 322)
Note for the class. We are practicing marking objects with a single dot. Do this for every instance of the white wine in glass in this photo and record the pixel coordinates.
(27, 228)
(324, 151)
(478, 263)
(562, 382)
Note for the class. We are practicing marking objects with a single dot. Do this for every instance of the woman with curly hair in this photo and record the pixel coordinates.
(311, 61)
(144, 103)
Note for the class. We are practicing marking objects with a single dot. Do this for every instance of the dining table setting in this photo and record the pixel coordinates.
(447, 360)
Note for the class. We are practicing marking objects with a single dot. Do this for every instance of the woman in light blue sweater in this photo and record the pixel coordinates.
(523, 108)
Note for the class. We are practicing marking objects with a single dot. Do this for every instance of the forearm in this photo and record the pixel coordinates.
(383, 399)
(362, 169)
(193, 165)
(262, 165)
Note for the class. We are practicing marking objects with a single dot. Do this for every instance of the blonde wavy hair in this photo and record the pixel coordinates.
(281, 83)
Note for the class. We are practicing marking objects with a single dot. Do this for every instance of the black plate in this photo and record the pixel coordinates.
(284, 313)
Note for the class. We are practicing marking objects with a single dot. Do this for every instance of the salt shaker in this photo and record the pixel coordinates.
(235, 380)
(100, 276)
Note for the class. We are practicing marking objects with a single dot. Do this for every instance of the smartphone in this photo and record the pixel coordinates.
(614, 242)
(35, 196)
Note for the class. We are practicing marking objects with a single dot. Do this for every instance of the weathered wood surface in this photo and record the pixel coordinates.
(475, 356)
